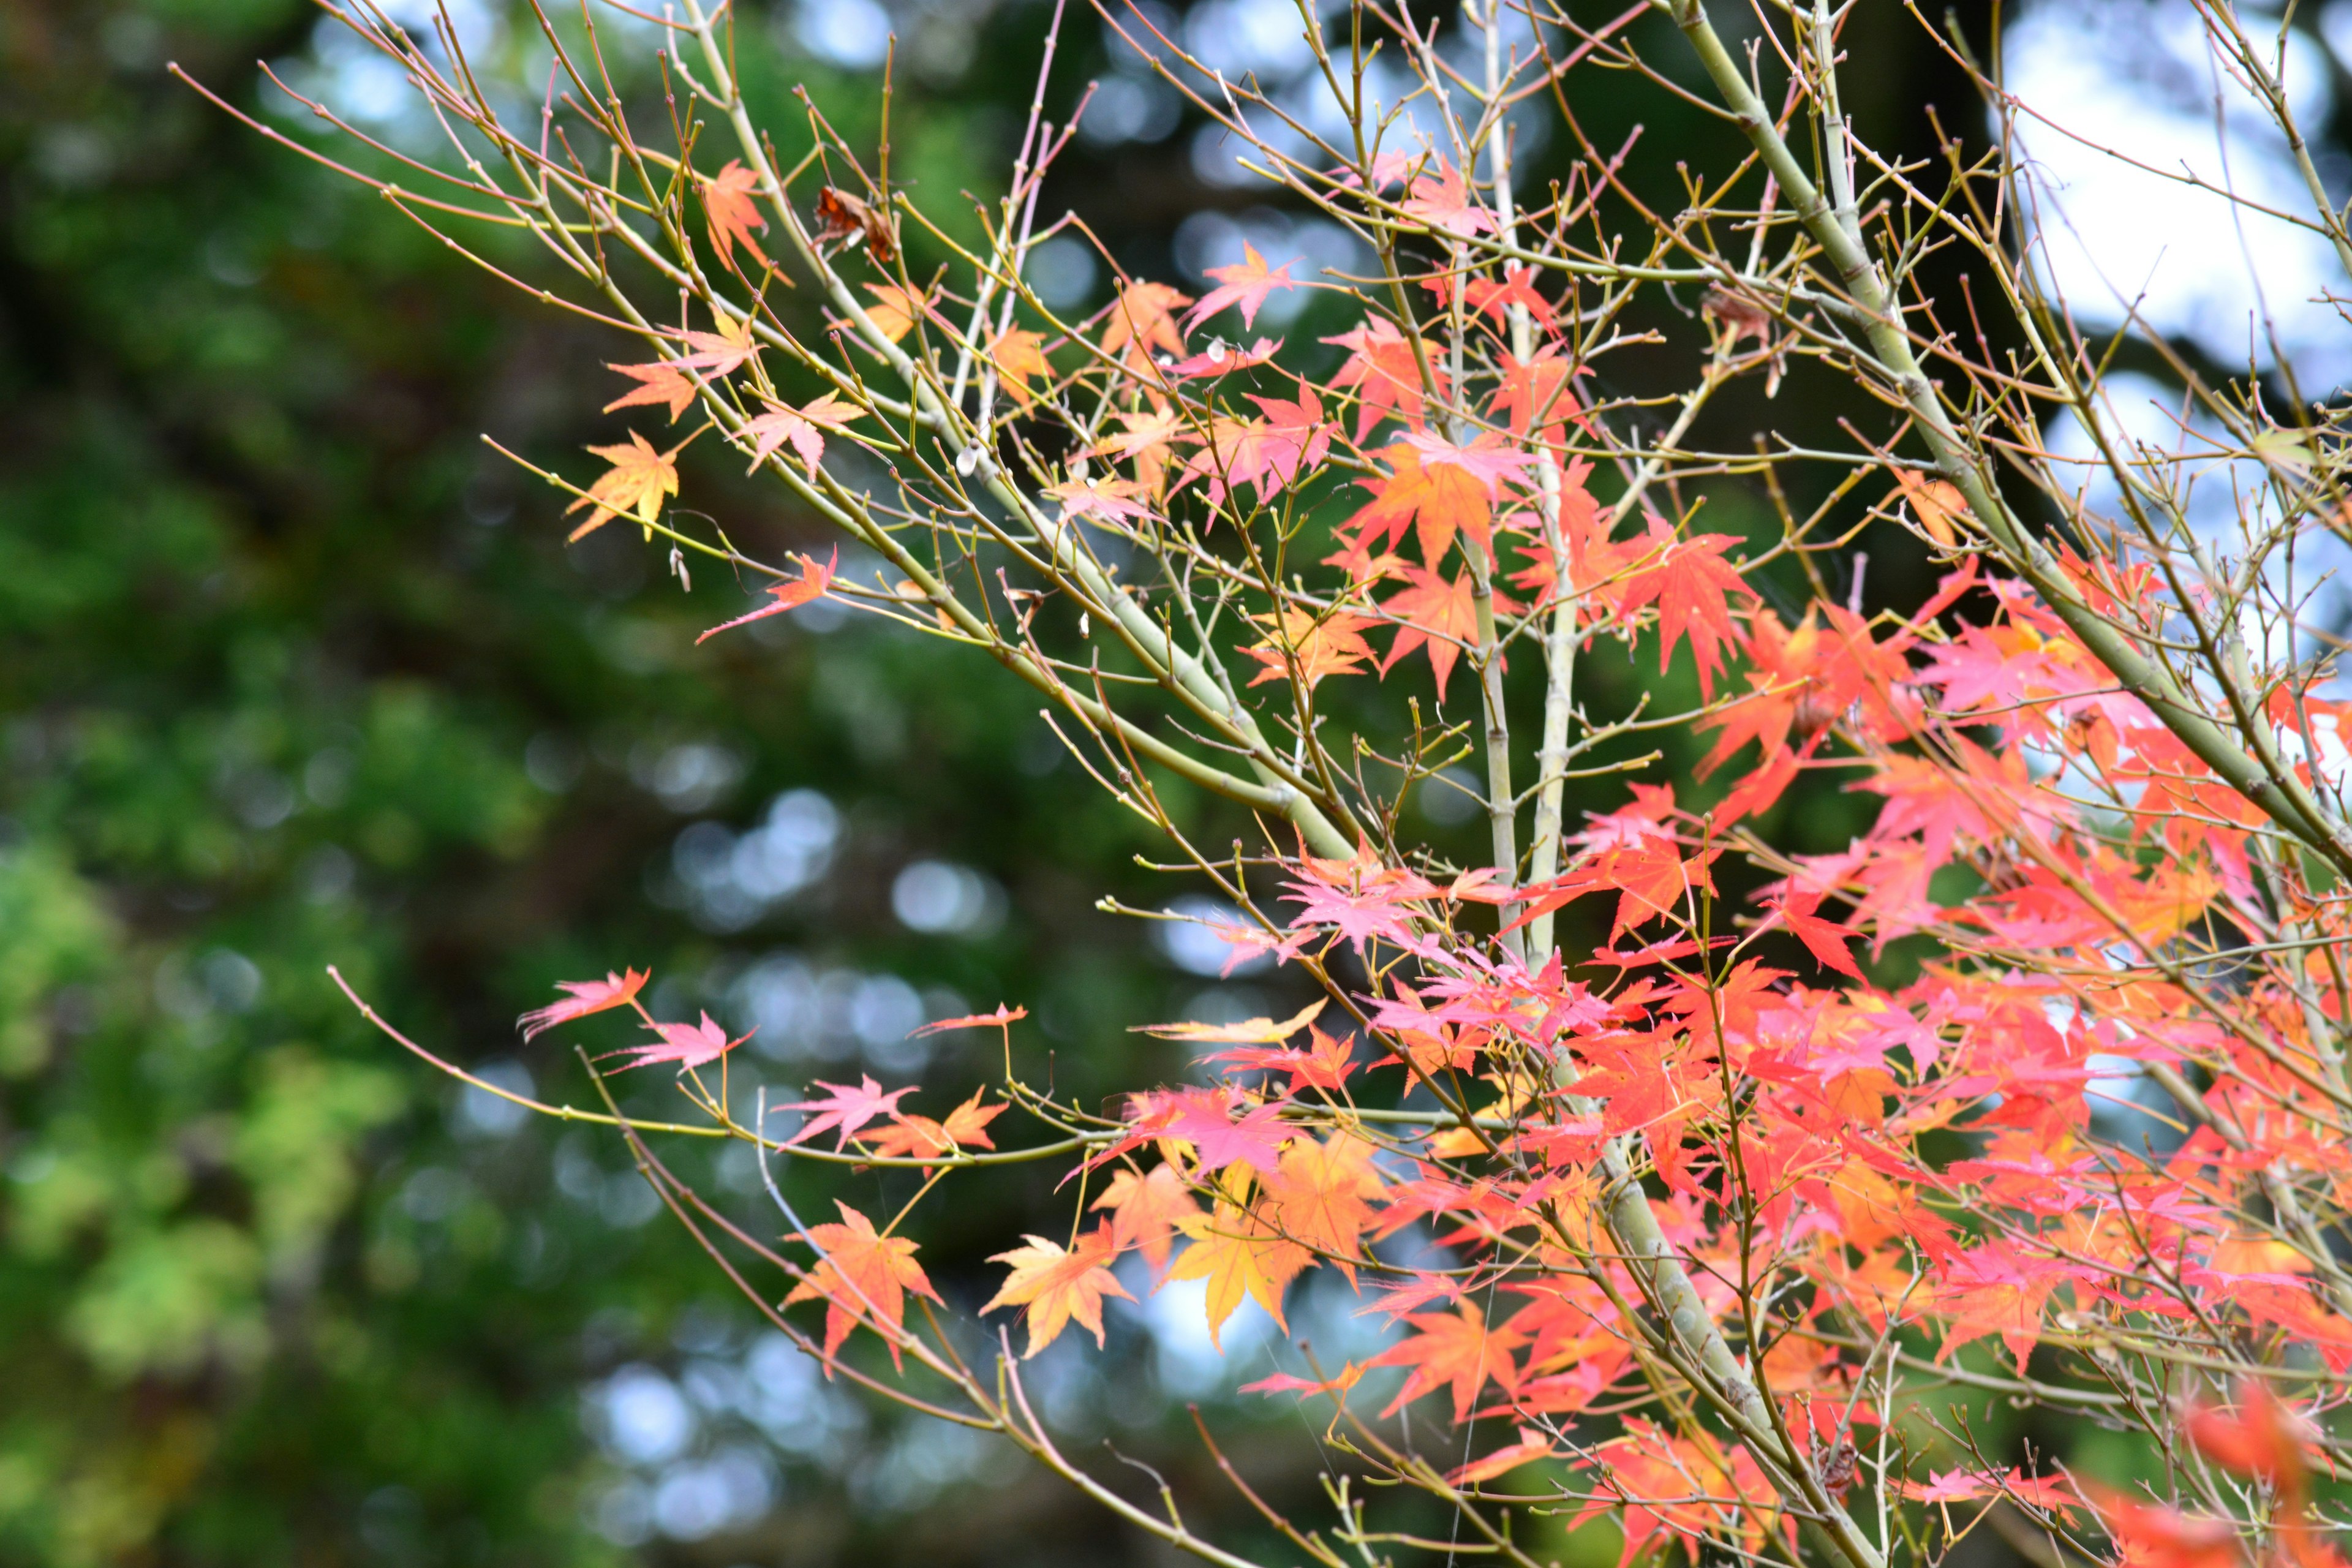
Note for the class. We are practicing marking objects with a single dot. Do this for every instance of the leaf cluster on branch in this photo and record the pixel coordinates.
(1711, 1234)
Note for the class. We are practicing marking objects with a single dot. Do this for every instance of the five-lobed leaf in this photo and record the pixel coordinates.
(1056, 1285)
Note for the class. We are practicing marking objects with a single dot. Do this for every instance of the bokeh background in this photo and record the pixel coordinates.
(294, 671)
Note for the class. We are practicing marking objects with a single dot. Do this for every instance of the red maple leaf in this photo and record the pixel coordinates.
(1691, 583)
(1454, 1348)
(1518, 287)
(1825, 939)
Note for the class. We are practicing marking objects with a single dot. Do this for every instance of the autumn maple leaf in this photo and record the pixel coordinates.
(1146, 1210)
(689, 1044)
(1691, 583)
(584, 998)
(1322, 1196)
(636, 483)
(1518, 287)
(1537, 389)
(1148, 442)
(727, 203)
(847, 1109)
(894, 310)
(1019, 355)
(1143, 317)
(860, 1272)
(1326, 645)
(1057, 1285)
(1381, 369)
(966, 1127)
(666, 381)
(1325, 1064)
(2265, 1437)
(1454, 1348)
(1115, 499)
(1245, 284)
(1444, 200)
(804, 427)
(1825, 939)
(1435, 614)
(1533, 1445)
(1221, 358)
(1435, 498)
(807, 588)
(1205, 1118)
(1241, 1258)
(1269, 452)
(1259, 1031)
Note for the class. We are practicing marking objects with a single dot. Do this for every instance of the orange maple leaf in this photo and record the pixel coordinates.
(1144, 319)
(1019, 355)
(727, 203)
(861, 1272)
(1326, 645)
(1322, 1198)
(1146, 1210)
(790, 594)
(804, 427)
(637, 482)
(666, 381)
(1146, 443)
(1057, 1285)
(894, 310)
(965, 1127)
(1435, 498)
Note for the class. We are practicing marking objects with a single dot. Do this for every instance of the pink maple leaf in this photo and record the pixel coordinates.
(847, 1109)
(687, 1045)
(1246, 283)
(1445, 201)
(585, 996)
(1221, 358)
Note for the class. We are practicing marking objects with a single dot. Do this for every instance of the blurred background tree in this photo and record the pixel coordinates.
(294, 671)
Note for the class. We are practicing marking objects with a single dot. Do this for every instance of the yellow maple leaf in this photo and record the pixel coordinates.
(1240, 1256)
(636, 483)
(1248, 1032)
